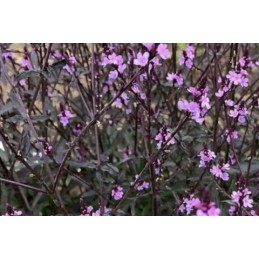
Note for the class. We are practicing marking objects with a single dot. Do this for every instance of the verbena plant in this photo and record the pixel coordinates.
(129, 129)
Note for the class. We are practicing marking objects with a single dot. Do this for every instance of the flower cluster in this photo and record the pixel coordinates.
(164, 136)
(176, 78)
(12, 212)
(162, 51)
(207, 209)
(65, 116)
(239, 112)
(89, 210)
(187, 56)
(194, 205)
(200, 105)
(139, 185)
(220, 170)
(189, 204)
(117, 193)
(241, 197)
(206, 156)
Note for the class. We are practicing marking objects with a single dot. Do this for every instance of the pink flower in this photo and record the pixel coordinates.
(187, 56)
(205, 102)
(229, 102)
(12, 212)
(65, 116)
(114, 59)
(135, 88)
(117, 103)
(233, 113)
(247, 202)
(193, 107)
(189, 63)
(143, 186)
(113, 75)
(143, 96)
(183, 105)
(234, 77)
(244, 81)
(148, 45)
(194, 91)
(142, 59)
(220, 171)
(156, 61)
(72, 60)
(232, 210)
(219, 93)
(213, 211)
(208, 210)
(175, 77)
(125, 98)
(236, 196)
(69, 69)
(22, 82)
(6, 55)
(163, 51)
(122, 67)
(117, 192)
(57, 54)
(206, 156)
(26, 63)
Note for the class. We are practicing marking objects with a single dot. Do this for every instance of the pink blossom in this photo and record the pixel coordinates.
(183, 105)
(236, 196)
(220, 171)
(156, 61)
(22, 82)
(57, 54)
(205, 102)
(69, 69)
(175, 77)
(207, 210)
(113, 75)
(194, 91)
(142, 59)
(117, 192)
(229, 102)
(125, 98)
(148, 45)
(189, 63)
(206, 156)
(135, 88)
(233, 113)
(65, 115)
(26, 63)
(117, 103)
(72, 59)
(8, 54)
(219, 93)
(247, 202)
(163, 51)
(244, 81)
(143, 96)
(114, 59)
(193, 107)
(122, 67)
(12, 212)
(234, 77)
(143, 186)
